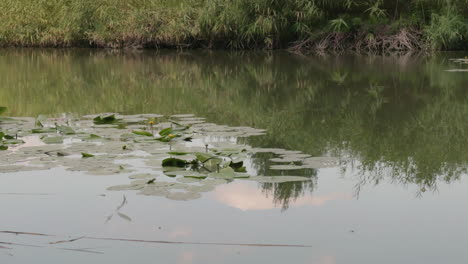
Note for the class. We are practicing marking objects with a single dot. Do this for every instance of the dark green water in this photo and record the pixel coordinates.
(399, 122)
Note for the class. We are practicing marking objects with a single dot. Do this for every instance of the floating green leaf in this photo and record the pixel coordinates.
(40, 119)
(13, 141)
(52, 140)
(66, 130)
(43, 130)
(142, 133)
(2, 109)
(86, 155)
(165, 132)
(236, 165)
(226, 173)
(177, 153)
(8, 137)
(202, 157)
(110, 119)
(3, 147)
(197, 177)
(173, 162)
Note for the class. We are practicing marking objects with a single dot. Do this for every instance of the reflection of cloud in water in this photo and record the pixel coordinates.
(180, 232)
(186, 257)
(325, 260)
(246, 197)
(29, 141)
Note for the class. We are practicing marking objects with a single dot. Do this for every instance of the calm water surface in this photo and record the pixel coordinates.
(398, 123)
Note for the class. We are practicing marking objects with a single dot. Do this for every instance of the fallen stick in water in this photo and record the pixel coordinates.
(24, 233)
(158, 241)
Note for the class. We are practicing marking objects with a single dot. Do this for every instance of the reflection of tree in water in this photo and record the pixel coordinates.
(405, 173)
(406, 122)
(401, 117)
(286, 192)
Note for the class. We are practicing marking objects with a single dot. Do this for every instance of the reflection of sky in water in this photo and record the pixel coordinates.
(401, 117)
(340, 228)
(245, 196)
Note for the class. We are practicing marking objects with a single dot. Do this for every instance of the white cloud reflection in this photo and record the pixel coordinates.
(246, 197)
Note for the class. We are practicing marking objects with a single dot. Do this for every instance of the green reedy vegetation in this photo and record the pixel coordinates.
(238, 24)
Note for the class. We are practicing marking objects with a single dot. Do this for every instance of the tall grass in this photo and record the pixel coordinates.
(226, 23)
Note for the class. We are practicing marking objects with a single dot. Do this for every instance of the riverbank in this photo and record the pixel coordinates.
(380, 25)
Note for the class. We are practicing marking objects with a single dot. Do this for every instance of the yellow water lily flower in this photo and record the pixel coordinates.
(171, 136)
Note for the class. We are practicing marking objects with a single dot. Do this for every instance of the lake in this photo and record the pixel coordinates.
(317, 159)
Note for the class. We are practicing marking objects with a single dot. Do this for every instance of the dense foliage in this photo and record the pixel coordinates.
(298, 24)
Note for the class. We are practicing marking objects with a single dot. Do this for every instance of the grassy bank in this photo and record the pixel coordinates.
(238, 24)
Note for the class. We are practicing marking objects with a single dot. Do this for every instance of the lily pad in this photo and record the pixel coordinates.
(183, 196)
(173, 162)
(86, 155)
(142, 133)
(105, 120)
(177, 153)
(320, 162)
(287, 167)
(66, 130)
(141, 176)
(52, 140)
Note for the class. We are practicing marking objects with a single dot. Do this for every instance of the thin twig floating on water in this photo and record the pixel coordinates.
(85, 250)
(24, 233)
(35, 194)
(18, 244)
(197, 243)
(65, 241)
(166, 242)
(82, 250)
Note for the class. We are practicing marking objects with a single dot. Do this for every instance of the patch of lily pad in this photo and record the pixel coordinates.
(178, 157)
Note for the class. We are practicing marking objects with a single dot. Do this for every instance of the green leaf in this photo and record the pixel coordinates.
(241, 169)
(66, 130)
(196, 177)
(13, 142)
(177, 153)
(173, 162)
(202, 157)
(2, 135)
(3, 147)
(121, 126)
(86, 155)
(105, 120)
(236, 165)
(8, 137)
(164, 139)
(165, 132)
(226, 173)
(52, 140)
(42, 130)
(142, 133)
(94, 136)
(40, 119)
